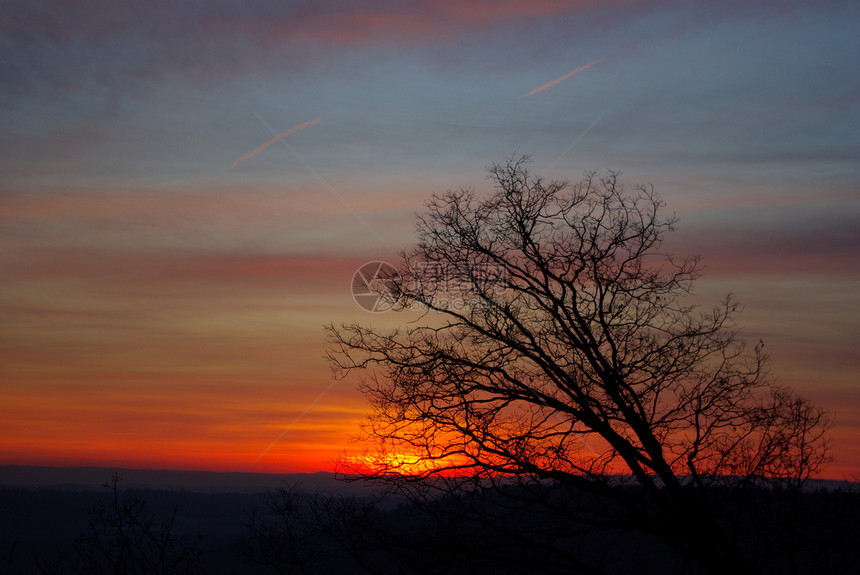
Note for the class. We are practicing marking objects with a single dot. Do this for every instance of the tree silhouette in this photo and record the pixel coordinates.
(123, 539)
(297, 531)
(559, 346)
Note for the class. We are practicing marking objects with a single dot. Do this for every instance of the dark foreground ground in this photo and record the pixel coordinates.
(46, 512)
(67, 521)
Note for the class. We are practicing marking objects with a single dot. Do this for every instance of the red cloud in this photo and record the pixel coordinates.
(827, 250)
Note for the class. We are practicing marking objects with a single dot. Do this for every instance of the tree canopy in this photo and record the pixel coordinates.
(560, 343)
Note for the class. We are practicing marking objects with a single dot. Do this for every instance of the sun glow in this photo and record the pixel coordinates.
(377, 463)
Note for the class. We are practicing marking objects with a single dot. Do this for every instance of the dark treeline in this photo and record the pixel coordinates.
(434, 527)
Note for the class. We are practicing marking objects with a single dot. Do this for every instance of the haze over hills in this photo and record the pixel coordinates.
(92, 478)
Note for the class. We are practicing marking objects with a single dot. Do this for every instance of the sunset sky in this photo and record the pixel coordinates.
(186, 190)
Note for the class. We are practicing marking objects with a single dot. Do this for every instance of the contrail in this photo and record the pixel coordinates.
(328, 186)
(556, 81)
(358, 216)
(577, 139)
(273, 140)
(295, 421)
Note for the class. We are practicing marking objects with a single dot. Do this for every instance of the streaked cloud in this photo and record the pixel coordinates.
(179, 420)
(768, 249)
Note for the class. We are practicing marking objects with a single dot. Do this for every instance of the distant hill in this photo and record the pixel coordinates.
(92, 478)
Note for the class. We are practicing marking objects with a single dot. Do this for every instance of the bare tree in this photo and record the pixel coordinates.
(560, 344)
